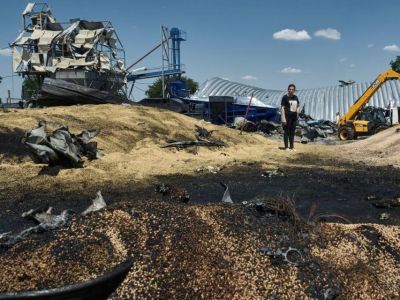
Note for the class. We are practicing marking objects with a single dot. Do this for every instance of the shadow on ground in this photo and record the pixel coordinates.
(330, 190)
(344, 192)
(11, 146)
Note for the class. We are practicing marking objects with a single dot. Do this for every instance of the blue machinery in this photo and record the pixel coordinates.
(223, 110)
(219, 109)
(170, 54)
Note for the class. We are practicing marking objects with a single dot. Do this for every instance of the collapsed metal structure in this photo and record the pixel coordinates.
(79, 62)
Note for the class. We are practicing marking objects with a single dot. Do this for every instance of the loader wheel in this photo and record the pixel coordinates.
(30, 104)
(380, 128)
(346, 133)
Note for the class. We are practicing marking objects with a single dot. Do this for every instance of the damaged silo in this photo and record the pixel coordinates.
(68, 63)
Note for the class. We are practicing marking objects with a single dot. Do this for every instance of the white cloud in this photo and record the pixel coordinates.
(292, 35)
(5, 52)
(249, 77)
(290, 70)
(370, 45)
(328, 33)
(392, 48)
(352, 66)
(343, 59)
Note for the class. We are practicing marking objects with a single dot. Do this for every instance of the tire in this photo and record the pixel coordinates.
(346, 133)
(30, 104)
(380, 128)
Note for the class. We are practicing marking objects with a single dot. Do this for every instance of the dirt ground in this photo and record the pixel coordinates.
(204, 249)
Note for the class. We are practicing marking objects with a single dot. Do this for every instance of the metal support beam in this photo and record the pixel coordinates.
(164, 55)
(144, 56)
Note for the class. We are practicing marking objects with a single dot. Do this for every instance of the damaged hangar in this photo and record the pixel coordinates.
(320, 103)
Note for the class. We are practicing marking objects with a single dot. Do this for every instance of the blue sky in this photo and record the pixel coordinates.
(246, 41)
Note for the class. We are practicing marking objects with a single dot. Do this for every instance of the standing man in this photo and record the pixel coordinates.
(289, 114)
(337, 118)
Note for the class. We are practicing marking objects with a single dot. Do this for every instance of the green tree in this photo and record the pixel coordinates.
(155, 90)
(395, 64)
(30, 87)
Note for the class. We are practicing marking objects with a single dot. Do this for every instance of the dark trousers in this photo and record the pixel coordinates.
(290, 129)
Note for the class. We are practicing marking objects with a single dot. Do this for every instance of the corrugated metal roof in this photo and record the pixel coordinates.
(320, 103)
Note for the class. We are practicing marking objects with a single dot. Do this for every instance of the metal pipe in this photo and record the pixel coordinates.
(162, 61)
(245, 115)
(130, 92)
(144, 56)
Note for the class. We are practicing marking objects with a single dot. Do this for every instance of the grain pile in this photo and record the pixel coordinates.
(213, 251)
(180, 250)
(130, 138)
(382, 148)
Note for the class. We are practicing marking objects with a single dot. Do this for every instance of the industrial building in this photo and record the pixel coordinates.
(320, 103)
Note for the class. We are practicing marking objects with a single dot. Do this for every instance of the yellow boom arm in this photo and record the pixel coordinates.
(363, 100)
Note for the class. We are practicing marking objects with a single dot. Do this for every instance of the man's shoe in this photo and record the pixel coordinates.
(292, 149)
(288, 149)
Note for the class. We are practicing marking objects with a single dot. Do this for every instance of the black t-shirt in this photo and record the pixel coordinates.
(291, 104)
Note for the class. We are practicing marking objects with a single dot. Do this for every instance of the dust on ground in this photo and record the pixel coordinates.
(379, 149)
(204, 248)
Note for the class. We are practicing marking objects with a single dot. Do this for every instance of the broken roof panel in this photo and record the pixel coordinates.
(90, 25)
(105, 62)
(86, 38)
(36, 34)
(54, 26)
(47, 38)
(28, 9)
(17, 59)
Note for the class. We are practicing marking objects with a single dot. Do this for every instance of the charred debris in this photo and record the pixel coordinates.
(308, 129)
